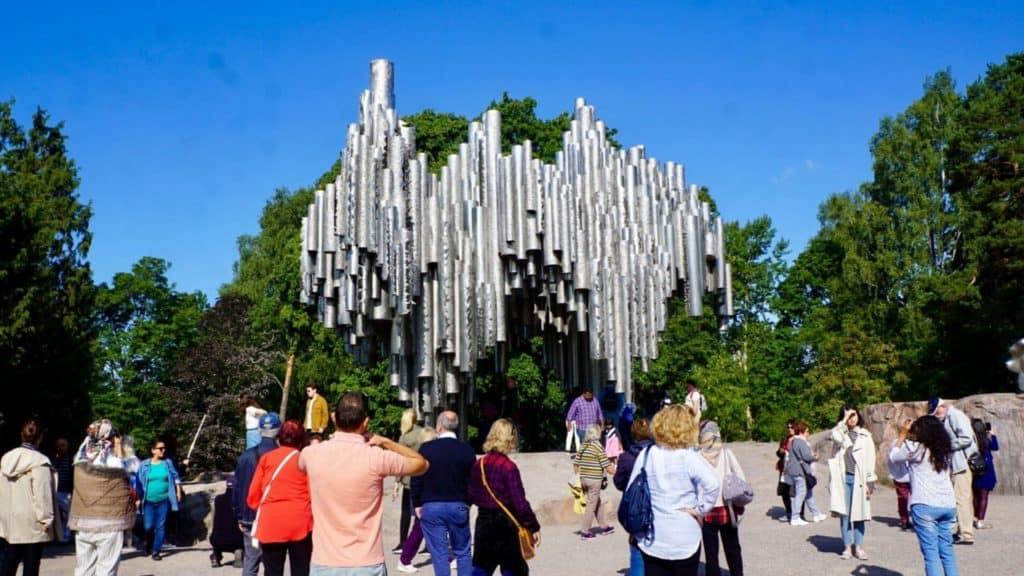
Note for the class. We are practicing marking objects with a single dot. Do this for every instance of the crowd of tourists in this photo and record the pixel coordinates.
(290, 502)
(941, 465)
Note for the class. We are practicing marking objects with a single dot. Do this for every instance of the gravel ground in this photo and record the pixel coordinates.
(770, 548)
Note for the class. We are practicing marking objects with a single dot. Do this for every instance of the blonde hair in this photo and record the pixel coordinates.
(594, 432)
(675, 427)
(502, 437)
(427, 435)
(408, 420)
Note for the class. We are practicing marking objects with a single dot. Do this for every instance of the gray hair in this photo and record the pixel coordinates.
(448, 421)
(593, 433)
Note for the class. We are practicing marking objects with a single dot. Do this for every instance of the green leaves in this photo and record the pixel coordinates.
(46, 292)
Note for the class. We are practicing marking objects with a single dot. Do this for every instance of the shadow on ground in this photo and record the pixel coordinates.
(833, 544)
(866, 570)
(887, 520)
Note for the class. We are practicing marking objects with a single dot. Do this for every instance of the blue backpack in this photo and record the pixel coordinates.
(635, 513)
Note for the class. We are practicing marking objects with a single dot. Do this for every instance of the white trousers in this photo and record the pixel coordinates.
(98, 553)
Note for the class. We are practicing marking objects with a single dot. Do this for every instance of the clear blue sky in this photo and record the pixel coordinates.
(184, 118)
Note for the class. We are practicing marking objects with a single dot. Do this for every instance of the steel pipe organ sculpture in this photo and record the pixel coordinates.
(442, 270)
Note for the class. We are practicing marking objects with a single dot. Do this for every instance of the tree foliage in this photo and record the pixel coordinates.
(46, 292)
(145, 325)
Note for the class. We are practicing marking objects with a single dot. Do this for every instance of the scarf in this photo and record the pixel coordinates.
(710, 442)
(98, 445)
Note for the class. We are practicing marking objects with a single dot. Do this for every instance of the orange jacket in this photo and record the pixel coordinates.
(287, 514)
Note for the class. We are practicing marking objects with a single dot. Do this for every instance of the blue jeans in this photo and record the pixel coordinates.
(851, 536)
(154, 519)
(378, 570)
(934, 528)
(636, 561)
(447, 523)
(802, 495)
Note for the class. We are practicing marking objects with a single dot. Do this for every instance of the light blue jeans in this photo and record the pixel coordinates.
(802, 496)
(852, 536)
(934, 528)
(378, 570)
(445, 523)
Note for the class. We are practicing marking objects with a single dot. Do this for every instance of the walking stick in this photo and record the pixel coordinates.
(194, 438)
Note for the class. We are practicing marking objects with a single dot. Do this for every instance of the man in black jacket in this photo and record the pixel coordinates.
(270, 425)
(441, 496)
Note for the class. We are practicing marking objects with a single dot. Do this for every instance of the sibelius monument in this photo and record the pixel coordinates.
(433, 270)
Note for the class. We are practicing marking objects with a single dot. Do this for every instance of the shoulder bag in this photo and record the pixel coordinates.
(525, 536)
(735, 490)
(252, 531)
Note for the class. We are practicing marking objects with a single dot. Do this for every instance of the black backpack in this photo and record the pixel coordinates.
(635, 512)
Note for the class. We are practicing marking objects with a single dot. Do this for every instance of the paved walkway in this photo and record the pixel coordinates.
(770, 548)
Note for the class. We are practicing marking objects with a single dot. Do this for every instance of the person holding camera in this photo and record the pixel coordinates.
(926, 449)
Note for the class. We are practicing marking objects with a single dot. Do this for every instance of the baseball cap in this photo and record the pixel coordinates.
(270, 424)
(933, 404)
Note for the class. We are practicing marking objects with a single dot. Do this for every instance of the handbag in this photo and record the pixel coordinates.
(976, 462)
(579, 495)
(255, 542)
(735, 490)
(525, 536)
(571, 438)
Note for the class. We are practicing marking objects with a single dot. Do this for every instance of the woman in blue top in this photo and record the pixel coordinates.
(985, 483)
(683, 487)
(157, 491)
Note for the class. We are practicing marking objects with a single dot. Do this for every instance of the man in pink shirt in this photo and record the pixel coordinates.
(346, 483)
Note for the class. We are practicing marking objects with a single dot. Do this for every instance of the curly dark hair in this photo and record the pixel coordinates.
(930, 432)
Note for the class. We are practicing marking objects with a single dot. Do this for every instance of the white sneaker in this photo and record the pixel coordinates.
(798, 522)
(819, 518)
(407, 568)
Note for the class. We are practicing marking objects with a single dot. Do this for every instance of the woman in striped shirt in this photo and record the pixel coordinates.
(592, 465)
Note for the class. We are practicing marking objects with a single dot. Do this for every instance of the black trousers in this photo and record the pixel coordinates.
(659, 567)
(730, 542)
(298, 552)
(407, 514)
(496, 543)
(28, 555)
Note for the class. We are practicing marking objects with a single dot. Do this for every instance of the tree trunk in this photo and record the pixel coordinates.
(287, 384)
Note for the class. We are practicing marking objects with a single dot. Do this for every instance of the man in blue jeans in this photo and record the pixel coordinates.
(441, 497)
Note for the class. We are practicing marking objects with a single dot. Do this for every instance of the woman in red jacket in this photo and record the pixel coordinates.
(284, 522)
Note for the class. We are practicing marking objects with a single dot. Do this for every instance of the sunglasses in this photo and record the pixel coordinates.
(160, 448)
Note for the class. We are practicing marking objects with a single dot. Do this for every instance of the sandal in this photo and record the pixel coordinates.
(845, 555)
(861, 555)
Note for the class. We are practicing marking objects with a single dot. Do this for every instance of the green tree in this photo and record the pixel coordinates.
(228, 359)
(987, 172)
(267, 273)
(438, 134)
(46, 292)
(145, 326)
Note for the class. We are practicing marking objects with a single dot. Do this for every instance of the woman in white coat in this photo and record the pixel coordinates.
(29, 515)
(852, 480)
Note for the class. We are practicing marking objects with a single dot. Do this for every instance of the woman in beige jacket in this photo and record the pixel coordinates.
(852, 480)
(28, 502)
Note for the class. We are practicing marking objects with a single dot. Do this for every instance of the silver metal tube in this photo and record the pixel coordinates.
(502, 246)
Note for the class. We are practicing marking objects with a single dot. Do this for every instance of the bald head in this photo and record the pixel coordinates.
(447, 421)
